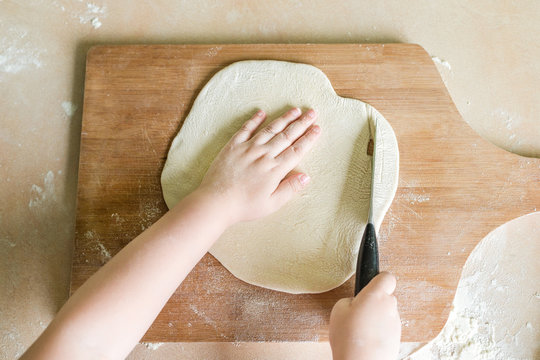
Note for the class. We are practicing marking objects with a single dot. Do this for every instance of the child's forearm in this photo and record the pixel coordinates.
(250, 178)
(109, 314)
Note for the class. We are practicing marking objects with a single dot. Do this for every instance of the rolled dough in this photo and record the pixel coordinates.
(310, 245)
(496, 310)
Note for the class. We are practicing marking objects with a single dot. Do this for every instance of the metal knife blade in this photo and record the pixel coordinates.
(367, 266)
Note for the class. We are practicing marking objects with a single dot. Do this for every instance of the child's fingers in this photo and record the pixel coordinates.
(276, 126)
(288, 187)
(384, 282)
(291, 133)
(249, 127)
(292, 155)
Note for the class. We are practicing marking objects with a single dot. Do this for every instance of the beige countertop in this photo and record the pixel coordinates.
(487, 54)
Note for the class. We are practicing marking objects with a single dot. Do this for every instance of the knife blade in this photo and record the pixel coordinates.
(367, 265)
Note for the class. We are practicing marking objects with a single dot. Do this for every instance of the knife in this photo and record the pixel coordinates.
(367, 266)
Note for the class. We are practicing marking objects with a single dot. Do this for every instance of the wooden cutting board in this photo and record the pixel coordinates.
(454, 187)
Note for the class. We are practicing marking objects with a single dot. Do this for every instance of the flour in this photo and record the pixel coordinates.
(41, 195)
(255, 305)
(207, 320)
(96, 23)
(413, 198)
(149, 213)
(85, 12)
(152, 346)
(442, 62)
(468, 338)
(12, 341)
(117, 218)
(69, 108)
(444, 68)
(90, 16)
(17, 52)
(98, 245)
(9, 243)
(213, 51)
(94, 9)
(105, 254)
(203, 316)
(499, 277)
(508, 124)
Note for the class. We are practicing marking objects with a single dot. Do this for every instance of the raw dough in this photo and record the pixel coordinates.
(496, 312)
(309, 245)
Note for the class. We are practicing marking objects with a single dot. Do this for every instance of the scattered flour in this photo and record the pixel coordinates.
(213, 51)
(152, 346)
(413, 198)
(91, 15)
(117, 218)
(394, 220)
(17, 53)
(93, 238)
(149, 213)
(202, 315)
(207, 319)
(85, 12)
(8, 242)
(442, 62)
(105, 254)
(12, 340)
(40, 195)
(69, 108)
(508, 122)
(96, 23)
(251, 305)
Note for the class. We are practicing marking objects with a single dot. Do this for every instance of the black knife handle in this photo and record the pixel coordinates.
(367, 266)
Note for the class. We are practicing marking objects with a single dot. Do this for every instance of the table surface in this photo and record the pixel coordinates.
(484, 52)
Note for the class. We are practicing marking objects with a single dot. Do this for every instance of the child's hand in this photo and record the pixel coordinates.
(250, 175)
(367, 326)
(248, 179)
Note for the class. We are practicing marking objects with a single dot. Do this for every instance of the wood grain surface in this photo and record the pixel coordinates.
(454, 186)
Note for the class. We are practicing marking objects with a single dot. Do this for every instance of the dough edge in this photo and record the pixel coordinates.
(388, 137)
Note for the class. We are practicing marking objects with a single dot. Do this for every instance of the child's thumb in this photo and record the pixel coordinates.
(384, 282)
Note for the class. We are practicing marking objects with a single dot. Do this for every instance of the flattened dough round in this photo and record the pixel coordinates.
(309, 245)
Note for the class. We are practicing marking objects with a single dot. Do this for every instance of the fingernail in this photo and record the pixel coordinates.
(311, 113)
(260, 113)
(304, 179)
(316, 129)
(296, 111)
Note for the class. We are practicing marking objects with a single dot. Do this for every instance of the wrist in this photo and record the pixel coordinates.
(214, 206)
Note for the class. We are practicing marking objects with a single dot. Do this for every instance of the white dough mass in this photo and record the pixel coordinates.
(496, 310)
(309, 245)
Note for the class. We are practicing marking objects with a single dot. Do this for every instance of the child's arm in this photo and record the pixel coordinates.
(250, 178)
(367, 327)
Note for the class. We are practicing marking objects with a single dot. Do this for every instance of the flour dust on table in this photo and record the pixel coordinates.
(309, 245)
